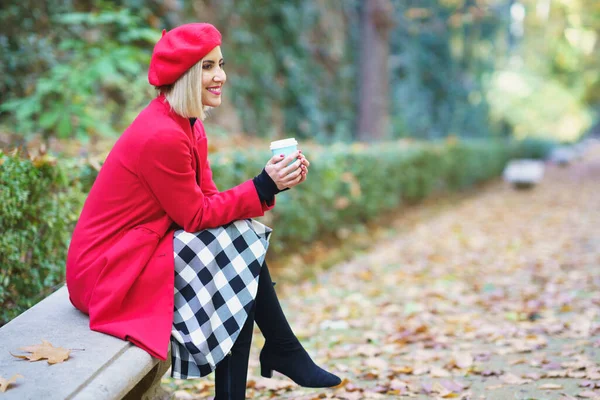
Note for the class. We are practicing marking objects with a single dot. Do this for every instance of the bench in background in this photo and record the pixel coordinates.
(524, 173)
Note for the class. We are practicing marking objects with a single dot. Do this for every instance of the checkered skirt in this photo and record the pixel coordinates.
(216, 279)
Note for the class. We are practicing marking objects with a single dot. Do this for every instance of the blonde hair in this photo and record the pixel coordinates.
(185, 95)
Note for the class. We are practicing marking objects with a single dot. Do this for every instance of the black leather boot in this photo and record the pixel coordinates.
(231, 373)
(282, 351)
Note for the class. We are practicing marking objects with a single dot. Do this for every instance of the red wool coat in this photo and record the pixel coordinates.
(120, 265)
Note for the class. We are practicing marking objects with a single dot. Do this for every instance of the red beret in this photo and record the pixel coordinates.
(179, 49)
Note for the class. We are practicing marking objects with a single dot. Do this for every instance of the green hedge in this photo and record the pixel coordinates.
(39, 205)
(348, 185)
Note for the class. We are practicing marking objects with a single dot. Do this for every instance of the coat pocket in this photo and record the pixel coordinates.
(123, 265)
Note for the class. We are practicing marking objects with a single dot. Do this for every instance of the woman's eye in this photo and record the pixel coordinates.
(207, 66)
(222, 65)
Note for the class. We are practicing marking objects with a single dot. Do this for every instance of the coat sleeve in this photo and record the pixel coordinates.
(165, 167)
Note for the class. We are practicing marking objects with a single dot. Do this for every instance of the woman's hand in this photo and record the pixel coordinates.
(304, 166)
(286, 175)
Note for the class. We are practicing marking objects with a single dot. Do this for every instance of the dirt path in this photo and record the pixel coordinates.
(497, 297)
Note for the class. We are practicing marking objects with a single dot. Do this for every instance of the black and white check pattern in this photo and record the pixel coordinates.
(216, 279)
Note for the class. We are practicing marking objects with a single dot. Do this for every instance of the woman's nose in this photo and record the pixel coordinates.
(220, 76)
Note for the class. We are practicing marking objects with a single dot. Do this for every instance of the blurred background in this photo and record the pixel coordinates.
(324, 70)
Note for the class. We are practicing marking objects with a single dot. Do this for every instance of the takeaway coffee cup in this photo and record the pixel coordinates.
(284, 146)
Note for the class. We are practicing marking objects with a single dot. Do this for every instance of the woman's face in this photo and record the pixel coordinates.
(213, 77)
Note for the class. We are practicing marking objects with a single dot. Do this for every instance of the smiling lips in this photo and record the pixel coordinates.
(216, 90)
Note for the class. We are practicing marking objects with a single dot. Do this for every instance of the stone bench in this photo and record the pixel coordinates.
(523, 173)
(563, 155)
(107, 368)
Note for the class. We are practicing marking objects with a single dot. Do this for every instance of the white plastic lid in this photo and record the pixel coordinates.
(278, 144)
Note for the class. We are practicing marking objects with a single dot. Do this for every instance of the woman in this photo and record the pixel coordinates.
(154, 224)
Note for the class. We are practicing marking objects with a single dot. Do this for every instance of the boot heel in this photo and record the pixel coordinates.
(266, 372)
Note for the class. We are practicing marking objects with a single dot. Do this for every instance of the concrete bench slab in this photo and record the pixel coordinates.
(563, 155)
(107, 368)
(524, 173)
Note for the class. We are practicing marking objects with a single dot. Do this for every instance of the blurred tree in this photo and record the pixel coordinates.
(377, 21)
(295, 77)
(441, 54)
(310, 68)
(549, 85)
(27, 43)
(97, 52)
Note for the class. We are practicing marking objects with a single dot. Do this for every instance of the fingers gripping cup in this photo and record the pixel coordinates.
(284, 146)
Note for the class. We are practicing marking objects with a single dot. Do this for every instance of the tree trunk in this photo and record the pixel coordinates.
(377, 20)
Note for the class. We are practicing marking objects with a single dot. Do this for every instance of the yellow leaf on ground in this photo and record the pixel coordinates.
(4, 383)
(450, 395)
(404, 370)
(43, 351)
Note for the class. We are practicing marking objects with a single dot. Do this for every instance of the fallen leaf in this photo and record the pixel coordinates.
(351, 387)
(427, 387)
(353, 396)
(463, 360)
(183, 395)
(552, 366)
(377, 363)
(367, 350)
(272, 384)
(420, 370)
(567, 397)
(5, 383)
(532, 375)
(398, 385)
(483, 356)
(204, 385)
(512, 379)
(577, 374)
(437, 372)
(491, 372)
(45, 350)
(380, 389)
(588, 394)
(453, 386)
(449, 395)
(557, 374)
(370, 375)
(595, 376)
(550, 386)
(403, 370)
